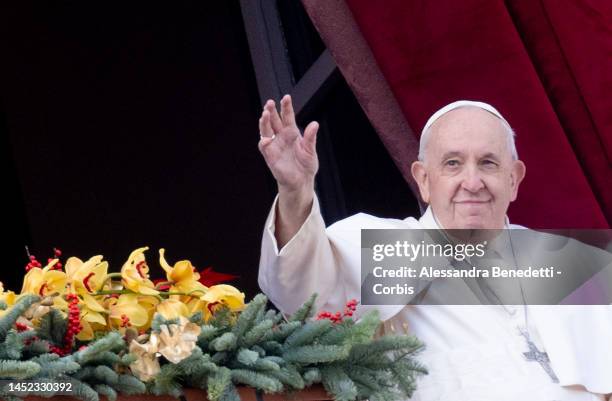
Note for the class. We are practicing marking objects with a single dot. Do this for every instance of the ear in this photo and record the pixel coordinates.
(420, 176)
(516, 176)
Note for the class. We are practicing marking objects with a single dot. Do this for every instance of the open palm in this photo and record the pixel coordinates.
(292, 159)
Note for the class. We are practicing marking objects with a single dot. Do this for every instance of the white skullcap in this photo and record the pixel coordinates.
(458, 104)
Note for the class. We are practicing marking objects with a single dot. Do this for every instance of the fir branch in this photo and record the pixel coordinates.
(230, 393)
(258, 332)
(266, 365)
(247, 357)
(226, 342)
(283, 331)
(18, 369)
(167, 381)
(13, 345)
(53, 369)
(111, 341)
(312, 376)
(289, 376)
(338, 383)
(259, 350)
(222, 319)
(316, 354)
(218, 384)
(247, 317)
(258, 380)
(272, 347)
(306, 311)
(107, 391)
(35, 348)
(53, 326)
(83, 391)
(9, 318)
(308, 333)
(129, 385)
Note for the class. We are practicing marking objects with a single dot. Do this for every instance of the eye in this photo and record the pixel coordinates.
(451, 163)
(489, 163)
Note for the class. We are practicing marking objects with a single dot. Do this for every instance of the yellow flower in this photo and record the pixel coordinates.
(83, 279)
(44, 281)
(172, 308)
(183, 276)
(222, 294)
(128, 310)
(135, 273)
(86, 277)
(8, 297)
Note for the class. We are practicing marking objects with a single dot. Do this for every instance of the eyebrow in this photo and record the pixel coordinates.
(488, 155)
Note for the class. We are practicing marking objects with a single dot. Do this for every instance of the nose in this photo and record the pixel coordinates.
(472, 180)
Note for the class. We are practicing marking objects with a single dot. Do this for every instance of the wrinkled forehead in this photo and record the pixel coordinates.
(470, 130)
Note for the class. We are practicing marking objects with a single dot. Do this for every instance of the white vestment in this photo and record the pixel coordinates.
(472, 352)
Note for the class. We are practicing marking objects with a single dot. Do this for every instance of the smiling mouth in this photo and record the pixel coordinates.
(472, 202)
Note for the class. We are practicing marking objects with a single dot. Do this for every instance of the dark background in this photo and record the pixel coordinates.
(125, 124)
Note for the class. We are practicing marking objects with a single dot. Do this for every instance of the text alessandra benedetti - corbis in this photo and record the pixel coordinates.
(473, 272)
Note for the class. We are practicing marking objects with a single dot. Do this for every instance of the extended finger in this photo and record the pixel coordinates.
(275, 120)
(310, 136)
(287, 113)
(265, 129)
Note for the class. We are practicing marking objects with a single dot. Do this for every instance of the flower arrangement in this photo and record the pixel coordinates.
(122, 333)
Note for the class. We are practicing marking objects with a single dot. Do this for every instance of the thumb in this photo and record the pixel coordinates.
(310, 136)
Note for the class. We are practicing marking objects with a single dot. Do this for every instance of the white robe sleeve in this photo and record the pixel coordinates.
(316, 259)
(305, 265)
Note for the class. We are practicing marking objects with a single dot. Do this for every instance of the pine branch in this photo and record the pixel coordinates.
(8, 320)
(53, 326)
(338, 383)
(218, 384)
(306, 311)
(18, 369)
(307, 333)
(316, 354)
(247, 317)
(257, 380)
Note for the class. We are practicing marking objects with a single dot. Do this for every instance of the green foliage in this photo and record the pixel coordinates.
(8, 320)
(18, 369)
(256, 348)
(306, 311)
(53, 326)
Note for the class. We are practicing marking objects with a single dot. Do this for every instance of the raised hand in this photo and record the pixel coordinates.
(292, 159)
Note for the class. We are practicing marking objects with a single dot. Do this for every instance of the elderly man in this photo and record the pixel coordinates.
(468, 172)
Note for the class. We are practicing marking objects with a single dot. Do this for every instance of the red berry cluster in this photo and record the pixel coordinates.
(21, 327)
(35, 263)
(56, 255)
(74, 326)
(32, 264)
(337, 317)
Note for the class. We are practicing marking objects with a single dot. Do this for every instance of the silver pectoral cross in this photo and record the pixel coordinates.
(538, 356)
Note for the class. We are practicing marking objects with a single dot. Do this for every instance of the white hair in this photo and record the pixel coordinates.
(426, 133)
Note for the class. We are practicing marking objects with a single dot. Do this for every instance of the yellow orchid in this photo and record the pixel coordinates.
(135, 273)
(172, 308)
(85, 278)
(128, 311)
(44, 281)
(221, 294)
(183, 277)
(8, 297)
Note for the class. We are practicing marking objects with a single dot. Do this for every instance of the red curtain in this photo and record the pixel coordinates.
(528, 59)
